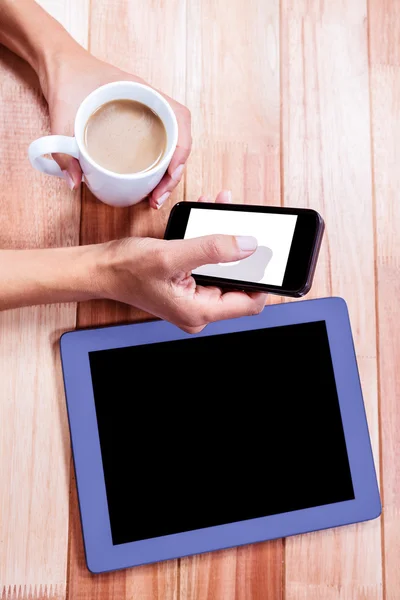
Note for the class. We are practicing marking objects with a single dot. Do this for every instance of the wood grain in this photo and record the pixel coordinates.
(35, 211)
(283, 105)
(233, 93)
(327, 166)
(148, 40)
(251, 572)
(384, 27)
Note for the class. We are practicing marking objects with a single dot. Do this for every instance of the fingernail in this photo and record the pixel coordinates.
(177, 174)
(69, 180)
(162, 199)
(227, 196)
(246, 242)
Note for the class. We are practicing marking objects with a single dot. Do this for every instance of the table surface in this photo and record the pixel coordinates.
(294, 103)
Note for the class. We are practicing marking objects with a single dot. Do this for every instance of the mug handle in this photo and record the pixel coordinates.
(50, 144)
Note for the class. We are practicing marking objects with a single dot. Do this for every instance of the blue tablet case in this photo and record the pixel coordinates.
(101, 553)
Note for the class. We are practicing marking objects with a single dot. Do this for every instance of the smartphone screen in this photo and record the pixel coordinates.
(274, 233)
(288, 244)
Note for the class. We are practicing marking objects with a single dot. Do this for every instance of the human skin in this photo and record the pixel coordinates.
(150, 274)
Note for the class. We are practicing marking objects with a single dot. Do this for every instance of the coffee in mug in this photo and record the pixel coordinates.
(125, 136)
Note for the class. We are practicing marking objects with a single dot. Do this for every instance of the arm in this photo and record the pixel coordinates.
(30, 277)
(30, 32)
(153, 275)
(67, 74)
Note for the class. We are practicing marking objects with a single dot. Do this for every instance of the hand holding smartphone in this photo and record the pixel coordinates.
(289, 240)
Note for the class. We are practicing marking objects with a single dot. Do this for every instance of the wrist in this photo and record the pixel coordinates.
(123, 263)
(78, 273)
(112, 264)
(54, 60)
(82, 272)
(30, 32)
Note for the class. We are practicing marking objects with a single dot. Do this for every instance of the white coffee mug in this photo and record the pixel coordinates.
(112, 188)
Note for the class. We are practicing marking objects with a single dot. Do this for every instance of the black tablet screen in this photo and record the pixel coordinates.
(211, 430)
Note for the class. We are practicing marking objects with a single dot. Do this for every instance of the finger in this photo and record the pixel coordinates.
(164, 189)
(212, 293)
(259, 296)
(192, 329)
(162, 192)
(179, 158)
(213, 299)
(224, 197)
(232, 305)
(208, 292)
(68, 164)
(70, 168)
(183, 146)
(175, 170)
(189, 254)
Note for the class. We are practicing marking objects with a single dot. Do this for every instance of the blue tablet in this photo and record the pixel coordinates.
(253, 429)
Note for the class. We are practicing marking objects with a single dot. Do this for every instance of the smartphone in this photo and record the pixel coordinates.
(289, 240)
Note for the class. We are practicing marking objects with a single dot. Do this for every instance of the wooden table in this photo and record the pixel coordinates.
(294, 103)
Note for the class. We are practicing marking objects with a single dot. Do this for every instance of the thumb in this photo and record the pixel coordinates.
(70, 168)
(212, 249)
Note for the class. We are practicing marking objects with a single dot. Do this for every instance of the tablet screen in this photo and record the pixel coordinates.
(211, 430)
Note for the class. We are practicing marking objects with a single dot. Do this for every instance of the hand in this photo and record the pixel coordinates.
(69, 79)
(156, 276)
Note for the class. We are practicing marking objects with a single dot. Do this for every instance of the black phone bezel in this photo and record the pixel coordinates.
(303, 252)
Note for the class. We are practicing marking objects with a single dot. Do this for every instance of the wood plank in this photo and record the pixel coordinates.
(327, 166)
(148, 40)
(35, 211)
(248, 572)
(384, 27)
(233, 93)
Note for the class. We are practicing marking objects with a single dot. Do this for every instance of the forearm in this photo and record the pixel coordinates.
(30, 277)
(29, 31)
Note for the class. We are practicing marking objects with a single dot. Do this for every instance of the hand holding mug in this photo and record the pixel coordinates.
(69, 79)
